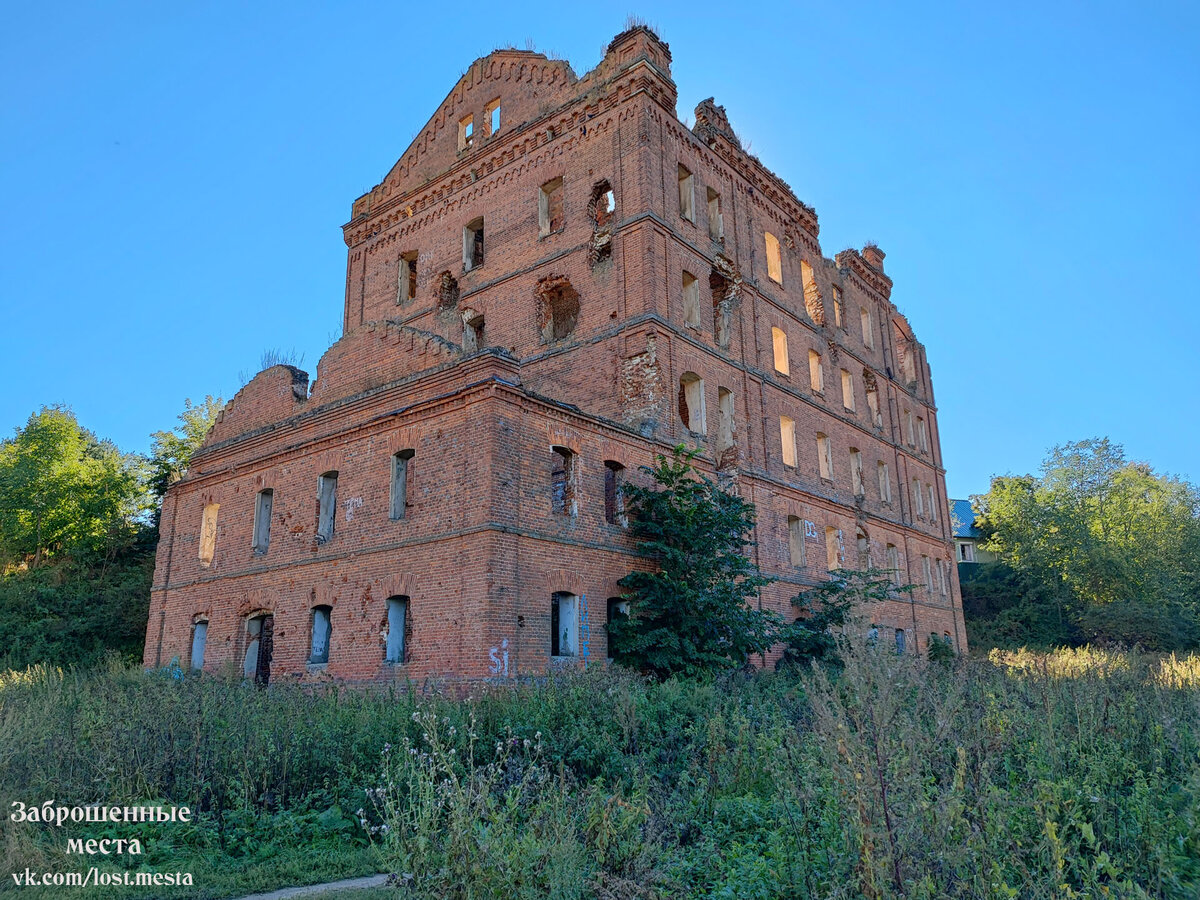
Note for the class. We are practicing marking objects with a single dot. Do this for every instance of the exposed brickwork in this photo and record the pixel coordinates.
(574, 339)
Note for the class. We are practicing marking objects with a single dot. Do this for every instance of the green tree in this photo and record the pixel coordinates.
(1112, 547)
(171, 451)
(827, 608)
(63, 490)
(696, 612)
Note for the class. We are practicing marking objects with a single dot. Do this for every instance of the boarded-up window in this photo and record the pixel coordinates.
(872, 391)
(856, 472)
(550, 207)
(824, 456)
(473, 337)
(927, 571)
(687, 195)
(208, 534)
(401, 472)
(326, 506)
(473, 244)
(864, 548)
(564, 624)
(562, 482)
(787, 439)
(918, 499)
(774, 264)
(691, 403)
(868, 327)
(796, 541)
(847, 390)
(893, 563)
(901, 641)
(909, 428)
(614, 500)
(932, 507)
(406, 277)
(199, 639)
(716, 221)
(922, 435)
(691, 300)
(397, 625)
(466, 132)
(839, 312)
(262, 520)
(779, 343)
(816, 371)
(885, 483)
(319, 652)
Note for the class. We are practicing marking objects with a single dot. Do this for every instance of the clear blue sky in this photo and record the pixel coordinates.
(174, 177)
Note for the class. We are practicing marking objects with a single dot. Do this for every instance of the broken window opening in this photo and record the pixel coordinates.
(199, 640)
(813, 304)
(774, 264)
(564, 624)
(796, 551)
(550, 208)
(726, 456)
(491, 115)
(447, 291)
(260, 646)
(614, 497)
(406, 277)
(400, 474)
(687, 194)
(720, 287)
(326, 506)
(396, 648)
(617, 608)
(833, 548)
(716, 221)
(864, 548)
(787, 440)
(208, 534)
(472, 333)
(262, 520)
(473, 244)
(602, 211)
(872, 391)
(559, 308)
(839, 318)
(691, 403)
(847, 390)
(824, 456)
(562, 482)
(816, 372)
(779, 343)
(466, 132)
(319, 652)
(691, 300)
(868, 327)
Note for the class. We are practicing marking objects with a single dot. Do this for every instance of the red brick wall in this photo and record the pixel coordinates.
(480, 552)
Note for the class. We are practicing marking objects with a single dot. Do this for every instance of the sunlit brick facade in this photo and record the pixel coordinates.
(556, 281)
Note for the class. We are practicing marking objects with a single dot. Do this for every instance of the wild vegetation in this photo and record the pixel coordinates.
(1026, 775)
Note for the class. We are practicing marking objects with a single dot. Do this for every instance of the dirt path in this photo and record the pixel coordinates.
(309, 890)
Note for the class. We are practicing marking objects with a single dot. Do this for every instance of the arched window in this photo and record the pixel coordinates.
(564, 624)
(260, 645)
(199, 639)
(401, 465)
(618, 607)
(263, 502)
(327, 506)
(562, 482)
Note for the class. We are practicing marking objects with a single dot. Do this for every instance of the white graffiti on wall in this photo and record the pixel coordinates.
(499, 659)
(352, 504)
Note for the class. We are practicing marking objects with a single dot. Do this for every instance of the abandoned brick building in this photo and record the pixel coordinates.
(556, 281)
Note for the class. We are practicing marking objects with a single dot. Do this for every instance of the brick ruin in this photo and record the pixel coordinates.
(556, 281)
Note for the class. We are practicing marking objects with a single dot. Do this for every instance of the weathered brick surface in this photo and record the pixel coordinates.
(479, 550)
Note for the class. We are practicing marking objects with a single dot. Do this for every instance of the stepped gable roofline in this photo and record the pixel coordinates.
(554, 77)
(853, 262)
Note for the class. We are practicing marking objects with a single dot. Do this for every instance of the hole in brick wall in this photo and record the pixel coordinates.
(558, 308)
(447, 291)
(602, 211)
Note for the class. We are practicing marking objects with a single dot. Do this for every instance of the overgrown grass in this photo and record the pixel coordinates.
(1026, 775)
